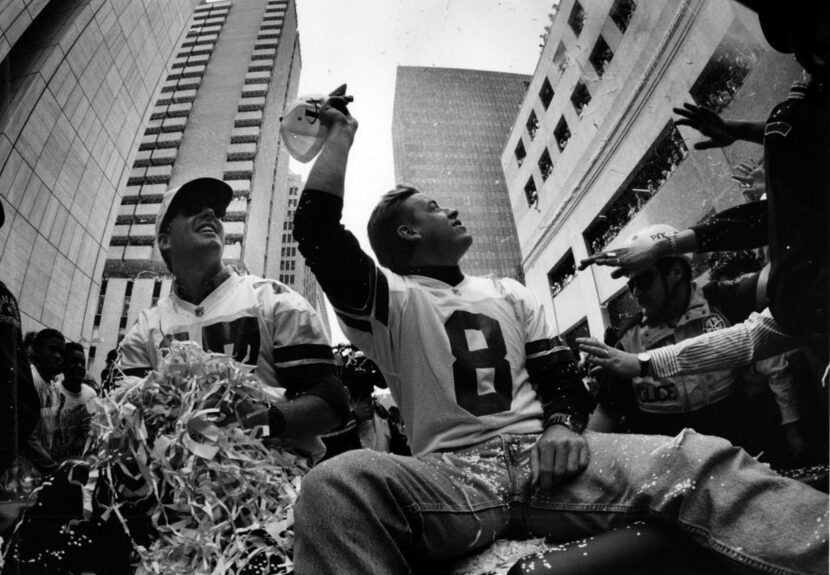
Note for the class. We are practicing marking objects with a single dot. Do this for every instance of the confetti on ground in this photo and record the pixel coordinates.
(221, 500)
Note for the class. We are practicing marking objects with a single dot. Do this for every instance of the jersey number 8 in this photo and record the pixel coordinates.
(468, 361)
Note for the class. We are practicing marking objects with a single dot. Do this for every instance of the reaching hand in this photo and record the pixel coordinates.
(559, 454)
(628, 259)
(707, 123)
(753, 178)
(614, 360)
(335, 110)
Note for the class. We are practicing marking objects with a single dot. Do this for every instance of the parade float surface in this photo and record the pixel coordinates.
(220, 498)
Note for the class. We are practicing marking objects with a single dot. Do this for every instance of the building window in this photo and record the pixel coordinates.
(657, 166)
(601, 56)
(530, 192)
(579, 330)
(726, 70)
(520, 153)
(580, 97)
(545, 165)
(562, 274)
(577, 18)
(546, 93)
(532, 125)
(560, 58)
(621, 13)
(562, 133)
(156, 292)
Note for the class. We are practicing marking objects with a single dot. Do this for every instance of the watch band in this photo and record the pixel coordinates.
(566, 420)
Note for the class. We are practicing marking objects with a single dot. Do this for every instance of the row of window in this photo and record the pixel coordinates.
(715, 87)
(653, 171)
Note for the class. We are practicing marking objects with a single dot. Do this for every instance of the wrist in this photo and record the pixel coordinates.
(644, 360)
(341, 130)
(565, 420)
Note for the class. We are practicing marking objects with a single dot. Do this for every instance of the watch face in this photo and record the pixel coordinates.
(644, 357)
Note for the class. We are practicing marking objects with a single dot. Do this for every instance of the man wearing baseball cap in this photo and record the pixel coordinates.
(259, 322)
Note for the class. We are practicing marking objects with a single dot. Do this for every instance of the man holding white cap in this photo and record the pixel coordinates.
(259, 322)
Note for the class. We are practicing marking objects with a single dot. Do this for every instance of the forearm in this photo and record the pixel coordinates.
(345, 272)
(750, 131)
(307, 416)
(558, 385)
(757, 338)
(329, 171)
(780, 382)
(742, 227)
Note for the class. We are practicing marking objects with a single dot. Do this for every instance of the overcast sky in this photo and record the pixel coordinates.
(361, 43)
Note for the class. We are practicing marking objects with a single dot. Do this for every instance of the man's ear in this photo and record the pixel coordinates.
(164, 241)
(408, 232)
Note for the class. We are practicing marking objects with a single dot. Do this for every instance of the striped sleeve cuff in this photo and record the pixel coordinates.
(663, 362)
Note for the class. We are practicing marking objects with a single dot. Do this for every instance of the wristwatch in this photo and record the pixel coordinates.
(565, 419)
(645, 363)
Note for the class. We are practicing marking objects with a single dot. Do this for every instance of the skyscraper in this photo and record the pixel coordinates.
(76, 82)
(449, 128)
(217, 114)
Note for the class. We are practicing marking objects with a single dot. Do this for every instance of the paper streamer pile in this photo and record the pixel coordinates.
(223, 500)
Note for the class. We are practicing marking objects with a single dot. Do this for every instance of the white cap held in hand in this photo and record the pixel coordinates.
(300, 127)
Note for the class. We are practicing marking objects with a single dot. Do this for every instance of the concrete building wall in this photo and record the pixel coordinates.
(664, 56)
(448, 129)
(77, 78)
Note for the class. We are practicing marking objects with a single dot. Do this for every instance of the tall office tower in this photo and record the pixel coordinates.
(293, 269)
(595, 156)
(76, 82)
(217, 114)
(449, 127)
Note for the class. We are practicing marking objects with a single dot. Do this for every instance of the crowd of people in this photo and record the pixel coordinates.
(692, 401)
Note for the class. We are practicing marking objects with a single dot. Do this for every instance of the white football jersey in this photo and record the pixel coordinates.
(454, 357)
(258, 322)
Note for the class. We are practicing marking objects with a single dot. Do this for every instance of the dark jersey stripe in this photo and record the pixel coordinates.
(381, 298)
(538, 346)
(302, 351)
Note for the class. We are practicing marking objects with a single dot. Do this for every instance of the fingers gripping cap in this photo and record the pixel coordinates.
(211, 191)
(300, 127)
(655, 233)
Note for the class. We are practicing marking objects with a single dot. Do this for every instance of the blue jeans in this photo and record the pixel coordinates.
(364, 512)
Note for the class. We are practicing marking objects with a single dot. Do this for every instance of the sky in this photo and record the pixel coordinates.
(361, 43)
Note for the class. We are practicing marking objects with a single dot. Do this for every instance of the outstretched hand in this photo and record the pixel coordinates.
(614, 360)
(708, 123)
(627, 259)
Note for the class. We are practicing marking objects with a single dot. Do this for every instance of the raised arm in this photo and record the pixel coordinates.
(346, 273)
(742, 227)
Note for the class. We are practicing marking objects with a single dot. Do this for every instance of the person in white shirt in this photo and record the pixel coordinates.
(259, 322)
(73, 414)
